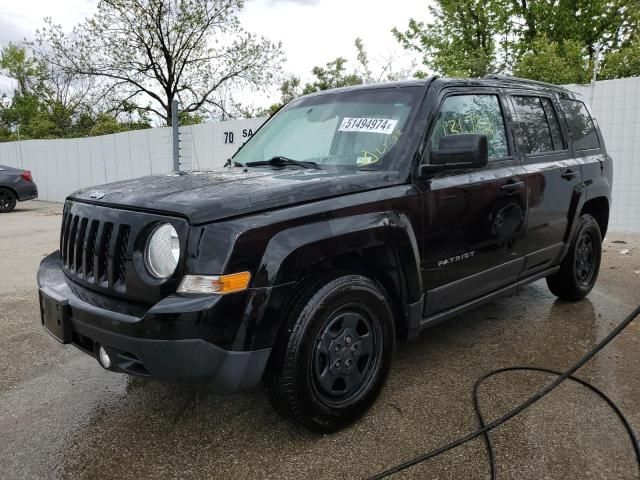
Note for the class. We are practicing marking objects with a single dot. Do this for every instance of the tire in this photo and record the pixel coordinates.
(579, 269)
(333, 355)
(8, 200)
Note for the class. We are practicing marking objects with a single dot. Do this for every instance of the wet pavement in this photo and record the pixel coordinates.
(63, 416)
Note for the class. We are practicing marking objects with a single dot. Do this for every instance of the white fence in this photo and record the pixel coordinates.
(616, 105)
(62, 166)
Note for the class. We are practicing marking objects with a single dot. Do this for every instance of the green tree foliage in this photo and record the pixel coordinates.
(363, 59)
(460, 41)
(622, 63)
(154, 51)
(333, 75)
(551, 41)
(554, 62)
(47, 103)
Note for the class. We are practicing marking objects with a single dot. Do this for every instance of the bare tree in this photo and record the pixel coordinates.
(151, 52)
(42, 87)
(388, 68)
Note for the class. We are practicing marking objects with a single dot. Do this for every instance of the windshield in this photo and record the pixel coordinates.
(360, 129)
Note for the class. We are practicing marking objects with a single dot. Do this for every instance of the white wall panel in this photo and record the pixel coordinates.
(616, 106)
(63, 166)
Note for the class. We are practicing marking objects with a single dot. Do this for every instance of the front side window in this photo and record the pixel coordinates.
(581, 125)
(360, 129)
(472, 114)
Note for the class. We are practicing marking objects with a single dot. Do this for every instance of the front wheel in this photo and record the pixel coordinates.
(579, 270)
(333, 357)
(7, 200)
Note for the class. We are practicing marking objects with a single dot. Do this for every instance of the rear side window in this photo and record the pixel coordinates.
(539, 123)
(554, 124)
(581, 125)
(472, 114)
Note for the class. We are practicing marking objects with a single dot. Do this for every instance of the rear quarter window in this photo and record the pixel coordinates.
(581, 126)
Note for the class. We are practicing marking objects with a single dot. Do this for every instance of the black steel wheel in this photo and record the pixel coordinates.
(334, 353)
(585, 257)
(579, 269)
(346, 356)
(7, 200)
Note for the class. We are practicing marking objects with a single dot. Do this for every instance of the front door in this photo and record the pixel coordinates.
(474, 219)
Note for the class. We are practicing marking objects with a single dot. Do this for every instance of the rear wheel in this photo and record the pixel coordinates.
(7, 200)
(579, 270)
(333, 357)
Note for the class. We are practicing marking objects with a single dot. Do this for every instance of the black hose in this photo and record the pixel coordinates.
(486, 428)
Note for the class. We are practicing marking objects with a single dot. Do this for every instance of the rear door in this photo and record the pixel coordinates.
(552, 175)
(588, 145)
(473, 218)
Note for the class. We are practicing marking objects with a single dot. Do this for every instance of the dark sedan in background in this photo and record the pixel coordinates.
(16, 185)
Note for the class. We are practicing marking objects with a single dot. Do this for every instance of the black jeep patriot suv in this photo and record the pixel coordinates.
(353, 217)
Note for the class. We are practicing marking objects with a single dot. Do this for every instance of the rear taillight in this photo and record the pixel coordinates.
(27, 176)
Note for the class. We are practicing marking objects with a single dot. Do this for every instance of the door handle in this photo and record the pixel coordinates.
(569, 174)
(512, 186)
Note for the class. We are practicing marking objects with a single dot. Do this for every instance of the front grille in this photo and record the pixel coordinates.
(95, 251)
(101, 251)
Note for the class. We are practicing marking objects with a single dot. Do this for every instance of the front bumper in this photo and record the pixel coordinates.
(190, 360)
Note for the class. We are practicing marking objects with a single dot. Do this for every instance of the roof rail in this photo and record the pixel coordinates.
(509, 78)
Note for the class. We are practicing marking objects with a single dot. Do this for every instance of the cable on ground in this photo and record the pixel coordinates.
(485, 428)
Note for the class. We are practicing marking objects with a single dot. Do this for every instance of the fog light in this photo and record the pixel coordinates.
(105, 359)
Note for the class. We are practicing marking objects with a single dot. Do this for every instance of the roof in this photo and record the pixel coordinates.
(372, 86)
(492, 79)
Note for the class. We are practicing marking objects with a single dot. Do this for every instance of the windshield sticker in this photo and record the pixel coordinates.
(370, 125)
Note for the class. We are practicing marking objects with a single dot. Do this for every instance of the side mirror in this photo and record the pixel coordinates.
(464, 150)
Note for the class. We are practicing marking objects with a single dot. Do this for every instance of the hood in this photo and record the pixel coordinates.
(208, 196)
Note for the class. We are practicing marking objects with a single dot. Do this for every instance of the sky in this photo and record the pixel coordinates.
(313, 32)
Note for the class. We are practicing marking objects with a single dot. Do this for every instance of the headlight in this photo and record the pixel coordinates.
(163, 251)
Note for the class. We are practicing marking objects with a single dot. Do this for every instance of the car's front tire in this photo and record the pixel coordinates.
(8, 200)
(579, 269)
(333, 355)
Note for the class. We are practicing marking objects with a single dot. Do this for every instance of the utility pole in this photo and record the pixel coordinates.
(175, 135)
(596, 64)
(20, 146)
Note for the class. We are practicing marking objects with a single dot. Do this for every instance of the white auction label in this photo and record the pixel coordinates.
(372, 125)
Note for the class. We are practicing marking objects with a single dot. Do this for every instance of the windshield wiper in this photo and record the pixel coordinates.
(280, 161)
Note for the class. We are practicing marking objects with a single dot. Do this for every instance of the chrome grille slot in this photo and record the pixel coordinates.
(71, 242)
(91, 250)
(80, 246)
(103, 253)
(120, 260)
(66, 225)
(64, 232)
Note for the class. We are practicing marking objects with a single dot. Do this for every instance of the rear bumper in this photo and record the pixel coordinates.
(31, 196)
(26, 190)
(188, 360)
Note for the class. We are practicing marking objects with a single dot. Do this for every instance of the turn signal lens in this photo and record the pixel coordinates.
(221, 284)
